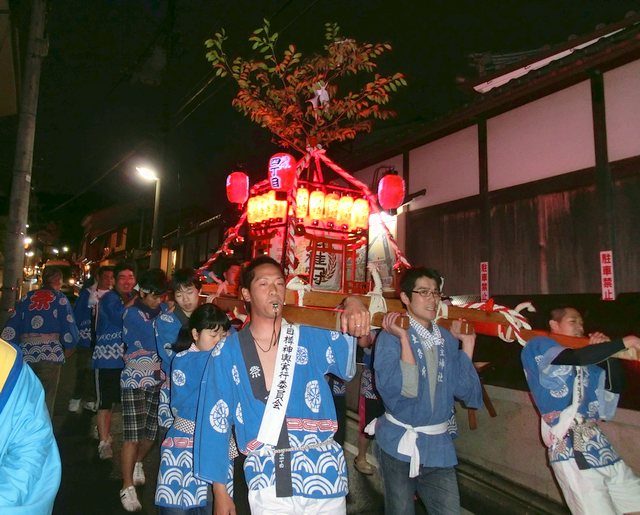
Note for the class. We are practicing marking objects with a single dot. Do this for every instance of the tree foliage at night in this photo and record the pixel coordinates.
(296, 97)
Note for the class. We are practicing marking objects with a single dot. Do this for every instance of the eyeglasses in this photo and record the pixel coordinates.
(436, 294)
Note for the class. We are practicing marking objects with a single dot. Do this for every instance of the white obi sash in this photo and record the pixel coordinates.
(408, 444)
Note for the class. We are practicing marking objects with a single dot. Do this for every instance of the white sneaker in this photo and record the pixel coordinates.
(105, 452)
(129, 499)
(94, 433)
(138, 474)
(90, 406)
(74, 405)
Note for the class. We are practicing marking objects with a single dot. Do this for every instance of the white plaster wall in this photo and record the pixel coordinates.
(551, 136)
(448, 168)
(510, 445)
(622, 105)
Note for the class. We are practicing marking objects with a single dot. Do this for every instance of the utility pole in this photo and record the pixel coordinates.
(156, 238)
(37, 48)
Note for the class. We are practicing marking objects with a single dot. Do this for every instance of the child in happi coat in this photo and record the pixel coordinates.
(178, 490)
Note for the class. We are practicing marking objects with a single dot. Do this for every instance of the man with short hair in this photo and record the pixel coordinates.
(84, 311)
(140, 382)
(43, 325)
(267, 381)
(573, 389)
(419, 373)
(108, 351)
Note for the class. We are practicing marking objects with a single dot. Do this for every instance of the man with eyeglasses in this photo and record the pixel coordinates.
(418, 374)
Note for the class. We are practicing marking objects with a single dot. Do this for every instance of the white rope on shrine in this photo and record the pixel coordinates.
(378, 303)
(514, 318)
(298, 285)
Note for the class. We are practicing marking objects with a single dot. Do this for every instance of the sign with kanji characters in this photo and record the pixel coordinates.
(607, 282)
(484, 281)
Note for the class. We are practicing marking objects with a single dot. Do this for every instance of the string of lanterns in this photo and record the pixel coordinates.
(317, 205)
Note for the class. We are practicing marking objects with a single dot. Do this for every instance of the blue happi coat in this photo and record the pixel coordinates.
(233, 393)
(43, 325)
(177, 486)
(109, 347)
(552, 389)
(456, 379)
(168, 327)
(141, 360)
(30, 469)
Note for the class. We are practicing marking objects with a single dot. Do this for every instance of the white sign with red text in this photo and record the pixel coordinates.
(607, 281)
(484, 281)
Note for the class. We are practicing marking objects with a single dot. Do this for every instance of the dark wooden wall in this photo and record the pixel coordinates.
(544, 237)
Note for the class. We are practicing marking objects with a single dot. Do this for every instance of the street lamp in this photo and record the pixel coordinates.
(150, 175)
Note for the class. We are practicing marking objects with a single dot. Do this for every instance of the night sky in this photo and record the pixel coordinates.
(104, 93)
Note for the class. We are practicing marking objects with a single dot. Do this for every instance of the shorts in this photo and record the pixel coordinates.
(610, 489)
(107, 387)
(140, 413)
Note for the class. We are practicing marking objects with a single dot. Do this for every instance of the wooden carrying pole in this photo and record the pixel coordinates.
(482, 322)
(317, 317)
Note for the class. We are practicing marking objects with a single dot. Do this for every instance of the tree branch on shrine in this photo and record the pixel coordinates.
(296, 97)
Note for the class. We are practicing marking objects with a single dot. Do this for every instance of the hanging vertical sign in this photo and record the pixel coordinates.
(607, 282)
(484, 281)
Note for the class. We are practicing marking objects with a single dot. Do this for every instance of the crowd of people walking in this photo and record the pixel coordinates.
(250, 415)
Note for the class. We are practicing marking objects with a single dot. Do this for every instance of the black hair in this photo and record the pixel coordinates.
(103, 269)
(248, 273)
(50, 274)
(408, 281)
(206, 316)
(153, 281)
(185, 277)
(121, 267)
(557, 314)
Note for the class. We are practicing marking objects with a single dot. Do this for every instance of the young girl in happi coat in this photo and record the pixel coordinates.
(178, 490)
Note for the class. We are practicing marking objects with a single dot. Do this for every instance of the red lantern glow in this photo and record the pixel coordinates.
(237, 187)
(282, 171)
(391, 192)
(252, 210)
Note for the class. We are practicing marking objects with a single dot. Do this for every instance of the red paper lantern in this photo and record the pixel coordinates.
(237, 187)
(282, 171)
(391, 192)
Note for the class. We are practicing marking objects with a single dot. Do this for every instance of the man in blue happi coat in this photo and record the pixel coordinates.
(268, 382)
(419, 372)
(44, 327)
(573, 389)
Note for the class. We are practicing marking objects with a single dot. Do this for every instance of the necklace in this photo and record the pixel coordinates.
(271, 342)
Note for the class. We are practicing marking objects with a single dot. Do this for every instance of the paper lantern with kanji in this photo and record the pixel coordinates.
(282, 171)
(391, 192)
(344, 211)
(302, 202)
(331, 202)
(316, 205)
(237, 187)
(360, 214)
